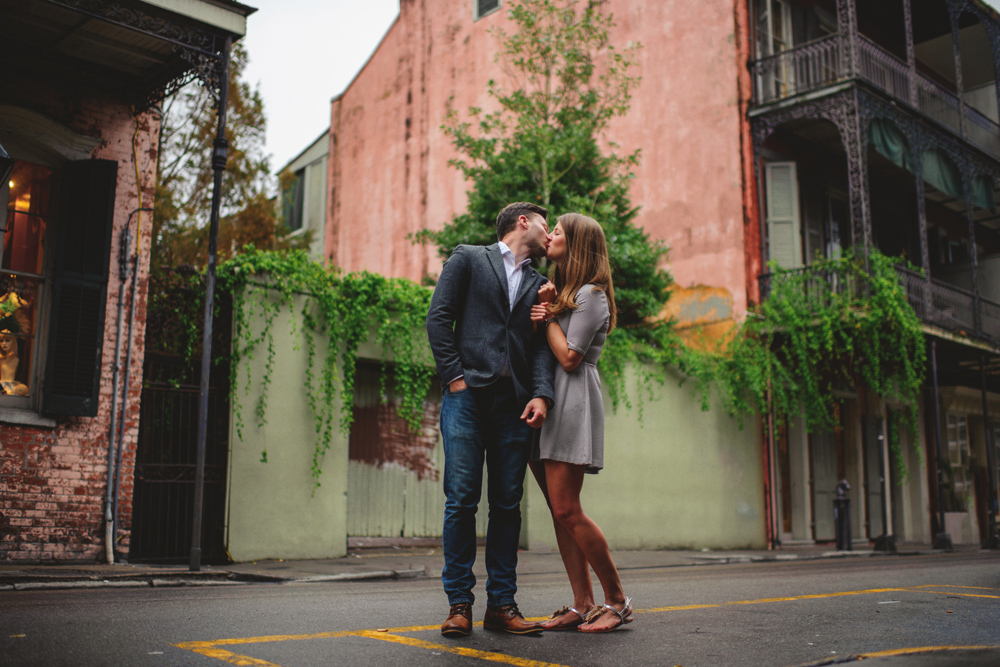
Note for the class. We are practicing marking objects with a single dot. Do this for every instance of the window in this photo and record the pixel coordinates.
(482, 8)
(293, 201)
(22, 280)
(53, 284)
(958, 491)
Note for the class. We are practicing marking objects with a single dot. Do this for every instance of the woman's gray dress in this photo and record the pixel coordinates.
(574, 429)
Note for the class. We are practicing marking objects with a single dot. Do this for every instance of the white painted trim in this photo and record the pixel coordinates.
(228, 18)
(30, 136)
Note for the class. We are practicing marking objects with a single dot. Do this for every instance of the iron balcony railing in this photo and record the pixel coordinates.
(822, 62)
(935, 303)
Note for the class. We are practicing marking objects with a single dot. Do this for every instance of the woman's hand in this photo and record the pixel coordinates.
(547, 293)
(539, 312)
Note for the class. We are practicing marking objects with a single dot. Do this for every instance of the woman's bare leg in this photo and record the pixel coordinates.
(573, 558)
(563, 484)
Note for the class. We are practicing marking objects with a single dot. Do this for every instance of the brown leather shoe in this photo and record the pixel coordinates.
(508, 619)
(459, 621)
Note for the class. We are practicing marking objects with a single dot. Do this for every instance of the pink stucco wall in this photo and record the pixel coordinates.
(389, 173)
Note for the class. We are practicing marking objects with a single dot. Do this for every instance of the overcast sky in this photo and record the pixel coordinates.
(304, 52)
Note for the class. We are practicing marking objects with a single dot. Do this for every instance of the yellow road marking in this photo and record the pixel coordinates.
(768, 600)
(978, 588)
(458, 650)
(211, 648)
(923, 649)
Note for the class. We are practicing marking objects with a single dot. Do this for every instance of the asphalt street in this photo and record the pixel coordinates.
(938, 609)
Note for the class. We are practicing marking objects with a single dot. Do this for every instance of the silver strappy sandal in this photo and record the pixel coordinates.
(625, 615)
(572, 625)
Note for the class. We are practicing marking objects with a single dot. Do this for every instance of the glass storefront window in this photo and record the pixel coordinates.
(959, 491)
(21, 275)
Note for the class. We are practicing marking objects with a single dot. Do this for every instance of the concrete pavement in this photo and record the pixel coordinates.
(383, 559)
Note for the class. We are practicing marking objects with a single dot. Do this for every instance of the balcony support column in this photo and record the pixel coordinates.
(925, 252)
(847, 26)
(973, 254)
(854, 136)
(954, 11)
(911, 53)
(942, 539)
(990, 540)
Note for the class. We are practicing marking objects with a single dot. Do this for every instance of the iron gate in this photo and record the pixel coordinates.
(163, 495)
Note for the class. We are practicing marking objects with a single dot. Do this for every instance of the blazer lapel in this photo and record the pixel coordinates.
(493, 252)
(528, 280)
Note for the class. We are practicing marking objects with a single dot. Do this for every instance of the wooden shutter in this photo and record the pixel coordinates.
(79, 289)
(783, 225)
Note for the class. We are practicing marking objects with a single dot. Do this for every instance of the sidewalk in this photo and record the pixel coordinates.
(386, 562)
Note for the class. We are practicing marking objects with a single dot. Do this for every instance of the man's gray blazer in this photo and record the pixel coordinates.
(472, 328)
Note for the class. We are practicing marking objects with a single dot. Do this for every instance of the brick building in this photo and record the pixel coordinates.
(78, 116)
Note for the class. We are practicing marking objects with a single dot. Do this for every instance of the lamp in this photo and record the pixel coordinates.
(6, 166)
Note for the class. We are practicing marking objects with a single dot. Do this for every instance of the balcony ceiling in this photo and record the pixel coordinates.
(65, 44)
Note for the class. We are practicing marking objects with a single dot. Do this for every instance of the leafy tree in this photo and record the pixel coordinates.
(546, 143)
(184, 176)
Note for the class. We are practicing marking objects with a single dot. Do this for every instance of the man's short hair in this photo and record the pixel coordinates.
(507, 218)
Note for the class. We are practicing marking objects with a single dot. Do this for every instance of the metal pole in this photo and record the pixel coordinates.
(218, 166)
(991, 506)
(942, 540)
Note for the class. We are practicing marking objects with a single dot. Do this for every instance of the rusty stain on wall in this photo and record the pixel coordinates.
(380, 437)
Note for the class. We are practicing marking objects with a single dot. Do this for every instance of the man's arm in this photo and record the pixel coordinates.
(446, 304)
(543, 367)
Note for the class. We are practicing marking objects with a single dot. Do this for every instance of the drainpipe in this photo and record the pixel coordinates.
(134, 261)
(109, 527)
(218, 166)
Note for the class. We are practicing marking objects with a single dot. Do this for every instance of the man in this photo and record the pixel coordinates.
(496, 375)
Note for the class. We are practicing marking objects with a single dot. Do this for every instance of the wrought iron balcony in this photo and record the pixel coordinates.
(936, 303)
(824, 61)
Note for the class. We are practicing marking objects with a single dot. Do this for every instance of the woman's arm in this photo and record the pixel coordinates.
(568, 359)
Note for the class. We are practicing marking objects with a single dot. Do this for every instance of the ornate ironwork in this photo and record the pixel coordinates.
(202, 50)
(140, 21)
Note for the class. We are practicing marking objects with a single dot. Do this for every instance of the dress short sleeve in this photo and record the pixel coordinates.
(588, 318)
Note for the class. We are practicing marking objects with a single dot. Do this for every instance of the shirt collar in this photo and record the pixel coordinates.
(506, 252)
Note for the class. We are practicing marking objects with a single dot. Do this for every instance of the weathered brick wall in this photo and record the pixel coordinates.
(53, 480)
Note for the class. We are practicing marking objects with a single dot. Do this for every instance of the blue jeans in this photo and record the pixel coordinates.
(483, 424)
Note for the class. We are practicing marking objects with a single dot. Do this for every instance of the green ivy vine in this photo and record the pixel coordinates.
(837, 326)
(345, 309)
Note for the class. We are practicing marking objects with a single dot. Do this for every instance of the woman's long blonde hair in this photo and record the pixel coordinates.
(586, 263)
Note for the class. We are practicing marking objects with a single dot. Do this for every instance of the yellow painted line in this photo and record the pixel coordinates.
(457, 650)
(978, 588)
(793, 598)
(208, 649)
(923, 649)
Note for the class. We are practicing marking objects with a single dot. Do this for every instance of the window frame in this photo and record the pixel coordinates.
(477, 12)
(33, 401)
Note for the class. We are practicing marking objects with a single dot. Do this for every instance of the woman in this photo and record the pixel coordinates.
(577, 310)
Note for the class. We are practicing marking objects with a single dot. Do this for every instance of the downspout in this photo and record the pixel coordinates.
(109, 527)
(128, 377)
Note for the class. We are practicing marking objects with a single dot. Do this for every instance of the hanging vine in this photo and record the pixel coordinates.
(830, 328)
(345, 310)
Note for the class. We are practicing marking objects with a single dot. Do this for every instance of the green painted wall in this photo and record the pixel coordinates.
(679, 478)
(273, 512)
